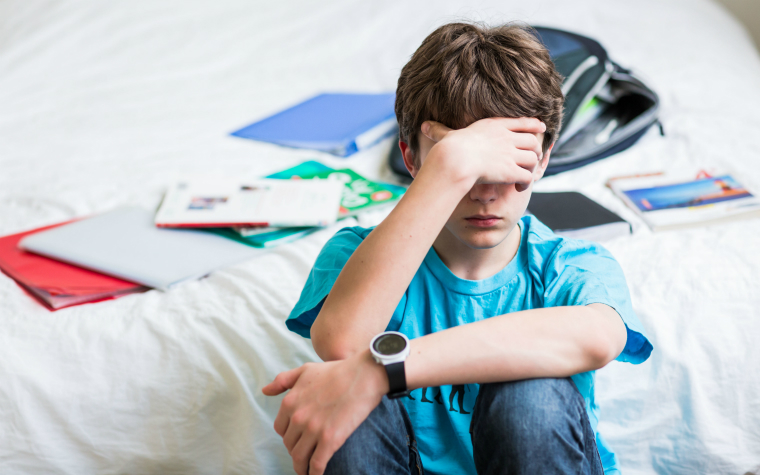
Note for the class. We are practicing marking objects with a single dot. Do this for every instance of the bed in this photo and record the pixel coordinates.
(102, 103)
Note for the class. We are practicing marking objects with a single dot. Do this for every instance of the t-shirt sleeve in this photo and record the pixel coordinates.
(582, 273)
(330, 262)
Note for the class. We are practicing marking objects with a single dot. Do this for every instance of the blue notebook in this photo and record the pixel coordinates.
(340, 124)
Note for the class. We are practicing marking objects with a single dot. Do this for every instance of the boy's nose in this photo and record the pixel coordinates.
(484, 193)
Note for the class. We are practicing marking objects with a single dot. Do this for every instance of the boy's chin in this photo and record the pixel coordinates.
(483, 239)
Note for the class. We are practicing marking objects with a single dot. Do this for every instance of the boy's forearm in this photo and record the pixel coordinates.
(374, 279)
(550, 342)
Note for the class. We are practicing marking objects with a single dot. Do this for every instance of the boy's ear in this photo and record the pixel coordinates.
(538, 173)
(408, 154)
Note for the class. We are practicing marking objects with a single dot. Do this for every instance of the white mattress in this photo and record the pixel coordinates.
(102, 103)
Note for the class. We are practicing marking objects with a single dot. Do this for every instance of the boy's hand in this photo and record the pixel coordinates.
(325, 405)
(490, 151)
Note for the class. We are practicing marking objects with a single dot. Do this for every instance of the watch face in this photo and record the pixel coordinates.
(391, 344)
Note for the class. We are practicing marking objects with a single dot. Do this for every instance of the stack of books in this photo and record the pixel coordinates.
(686, 198)
(203, 225)
(199, 227)
(358, 195)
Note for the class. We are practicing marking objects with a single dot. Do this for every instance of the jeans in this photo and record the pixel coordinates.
(534, 426)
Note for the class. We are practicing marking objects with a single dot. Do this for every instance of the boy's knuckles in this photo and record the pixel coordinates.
(288, 402)
(327, 436)
(314, 426)
(299, 419)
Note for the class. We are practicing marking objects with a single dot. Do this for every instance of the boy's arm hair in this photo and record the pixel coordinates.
(374, 279)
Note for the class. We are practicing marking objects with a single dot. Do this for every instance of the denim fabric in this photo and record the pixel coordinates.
(383, 444)
(521, 427)
(533, 426)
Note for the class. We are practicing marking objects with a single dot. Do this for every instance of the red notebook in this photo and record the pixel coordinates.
(57, 284)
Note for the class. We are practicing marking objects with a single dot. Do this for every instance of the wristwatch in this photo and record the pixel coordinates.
(390, 349)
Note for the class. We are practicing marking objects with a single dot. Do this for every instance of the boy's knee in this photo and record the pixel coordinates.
(378, 441)
(533, 426)
(534, 408)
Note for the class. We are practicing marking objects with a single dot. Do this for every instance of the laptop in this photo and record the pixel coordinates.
(125, 243)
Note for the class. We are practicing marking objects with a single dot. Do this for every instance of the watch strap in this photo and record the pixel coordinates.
(396, 380)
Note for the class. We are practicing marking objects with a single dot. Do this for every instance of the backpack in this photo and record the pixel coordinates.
(607, 109)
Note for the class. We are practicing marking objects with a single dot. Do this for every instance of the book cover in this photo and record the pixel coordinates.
(574, 215)
(670, 201)
(270, 237)
(340, 124)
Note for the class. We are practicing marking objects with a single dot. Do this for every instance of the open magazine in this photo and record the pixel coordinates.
(359, 196)
(260, 202)
(692, 198)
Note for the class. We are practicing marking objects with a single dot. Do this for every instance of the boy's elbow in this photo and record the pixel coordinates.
(330, 348)
(602, 352)
(609, 338)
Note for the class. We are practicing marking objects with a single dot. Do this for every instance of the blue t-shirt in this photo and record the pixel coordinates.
(548, 271)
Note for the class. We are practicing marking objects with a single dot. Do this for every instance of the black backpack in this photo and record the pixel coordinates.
(607, 109)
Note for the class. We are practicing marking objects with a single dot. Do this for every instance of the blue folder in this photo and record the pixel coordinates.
(341, 124)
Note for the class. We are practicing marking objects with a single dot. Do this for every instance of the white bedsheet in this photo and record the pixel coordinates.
(101, 103)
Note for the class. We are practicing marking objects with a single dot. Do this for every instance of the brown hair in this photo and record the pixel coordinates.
(465, 72)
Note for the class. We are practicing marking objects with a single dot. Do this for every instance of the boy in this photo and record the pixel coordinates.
(507, 321)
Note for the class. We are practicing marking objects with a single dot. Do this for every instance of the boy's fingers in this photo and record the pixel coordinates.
(526, 141)
(322, 455)
(281, 423)
(530, 125)
(283, 382)
(301, 453)
(526, 159)
(522, 177)
(433, 130)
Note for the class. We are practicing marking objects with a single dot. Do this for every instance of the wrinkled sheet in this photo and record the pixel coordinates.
(102, 103)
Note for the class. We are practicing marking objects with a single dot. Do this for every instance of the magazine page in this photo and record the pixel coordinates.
(260, 202)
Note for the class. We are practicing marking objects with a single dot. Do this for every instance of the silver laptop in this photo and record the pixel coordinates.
(125, 243)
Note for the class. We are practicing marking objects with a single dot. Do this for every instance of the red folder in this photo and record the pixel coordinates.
(57, 284)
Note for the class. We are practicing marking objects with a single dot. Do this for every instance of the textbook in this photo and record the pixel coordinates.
(125, 243)
(688, 198)
(572, 214)
(359, 195)
(340, 124)
(267, 237)
(260, 202)
(56, 284)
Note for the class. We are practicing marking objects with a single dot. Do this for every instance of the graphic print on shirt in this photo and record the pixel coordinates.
(457, 390)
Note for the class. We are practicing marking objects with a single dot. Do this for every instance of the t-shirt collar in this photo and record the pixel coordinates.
(476, 287)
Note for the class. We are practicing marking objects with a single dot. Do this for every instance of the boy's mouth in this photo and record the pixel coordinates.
(483, 220)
